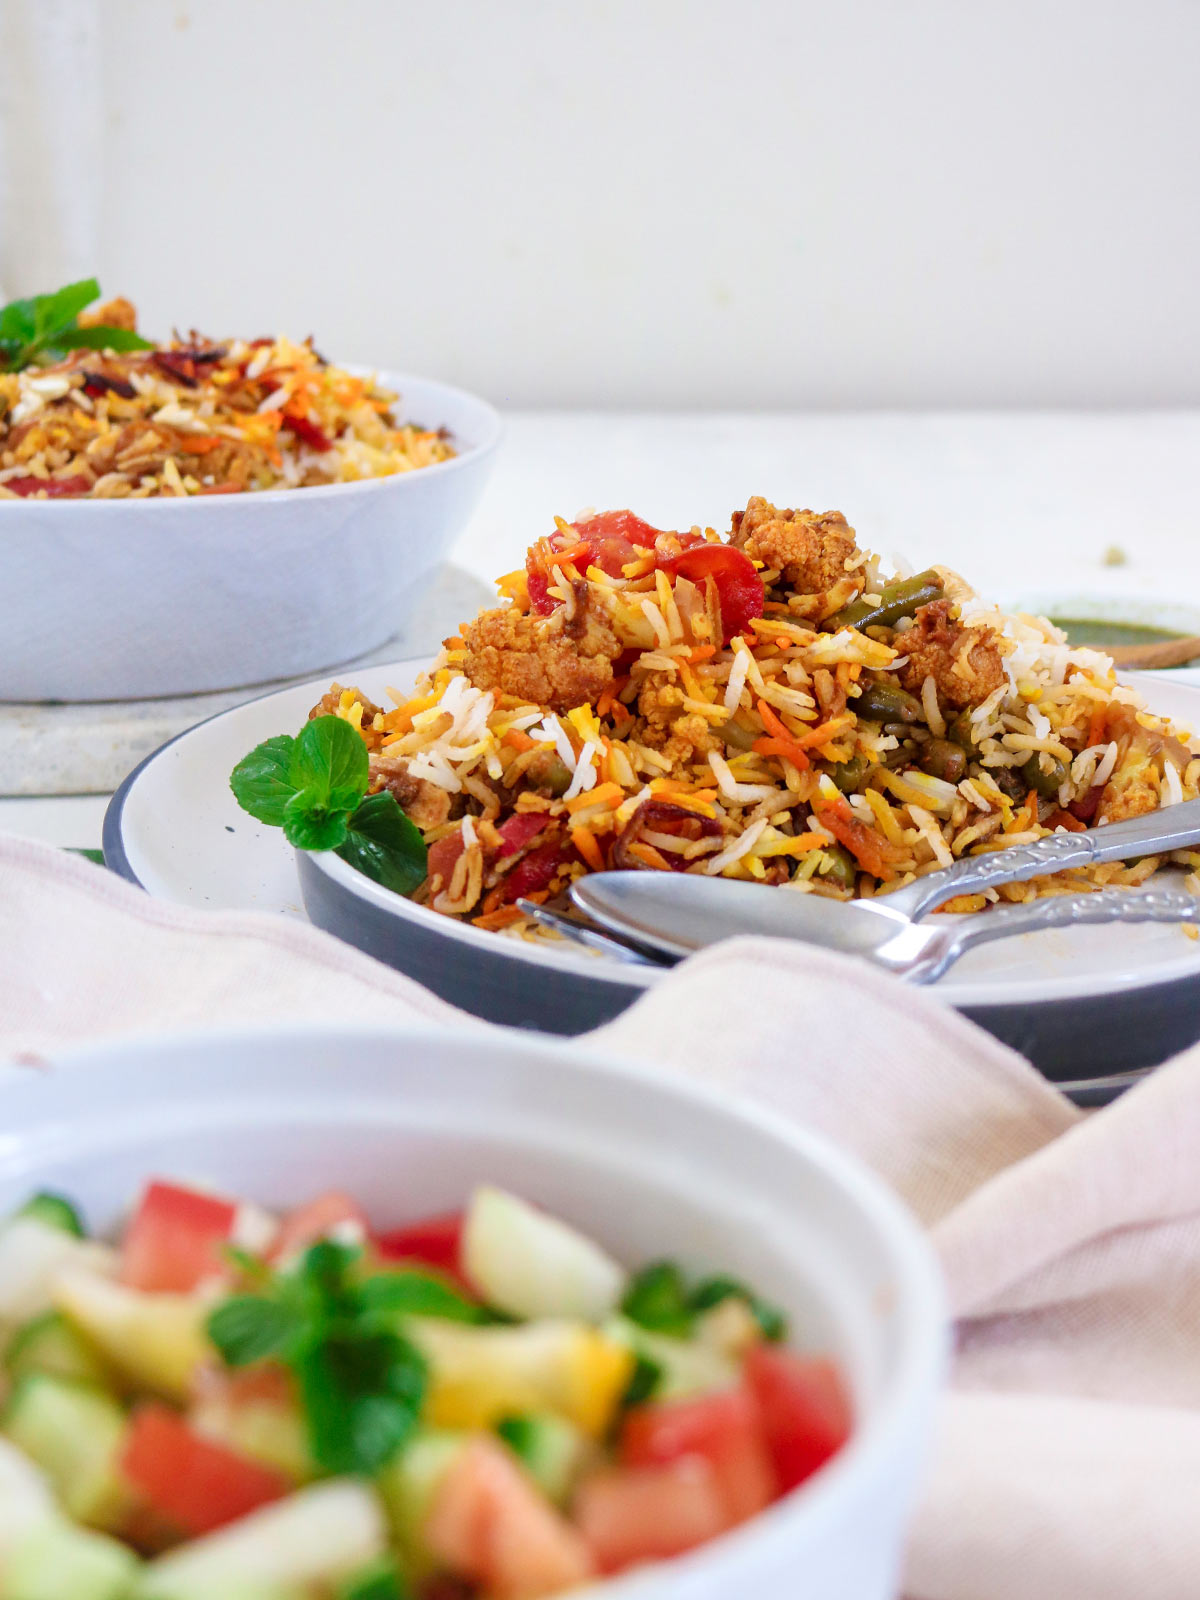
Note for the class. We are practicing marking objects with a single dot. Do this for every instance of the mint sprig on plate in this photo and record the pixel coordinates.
(340, 1332)
(45, 327)
(314, 787)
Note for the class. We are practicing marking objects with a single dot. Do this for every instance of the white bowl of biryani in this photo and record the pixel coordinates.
(203, 515)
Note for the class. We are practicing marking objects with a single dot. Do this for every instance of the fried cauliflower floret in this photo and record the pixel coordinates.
(421, 801)
(330, 705)
(664, 726)
(808, 548)
(966, 664)
(561, 661)
(118, 313)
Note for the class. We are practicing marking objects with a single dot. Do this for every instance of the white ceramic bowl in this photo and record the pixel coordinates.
(651, 1165)
(131, 599)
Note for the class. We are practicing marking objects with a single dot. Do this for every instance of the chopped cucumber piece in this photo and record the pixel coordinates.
(50, 1344)
(551, 1449)
(685, 1366)
(25, 1498)
(319, 1536)
(156, 1341)
(59, 1560)
(265, 1430)
(56, 1210)
(73, 1432)
(408, 1484)
(32, 1254)
(530, 1264)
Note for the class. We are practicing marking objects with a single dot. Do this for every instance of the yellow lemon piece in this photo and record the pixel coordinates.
(478, 1375)
(155, 1341)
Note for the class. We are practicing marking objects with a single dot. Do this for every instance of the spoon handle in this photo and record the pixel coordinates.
(1170, 828)
(1160, 904)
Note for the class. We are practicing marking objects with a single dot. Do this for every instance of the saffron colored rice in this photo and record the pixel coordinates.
(715, 704)
(197, 417)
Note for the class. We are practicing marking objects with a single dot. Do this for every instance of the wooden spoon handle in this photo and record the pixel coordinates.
(1167, 653)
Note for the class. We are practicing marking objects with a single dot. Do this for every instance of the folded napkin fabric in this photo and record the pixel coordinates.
(1067, 1463)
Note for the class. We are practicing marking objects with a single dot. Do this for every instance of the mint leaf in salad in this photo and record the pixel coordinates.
(314, 787)
(339, 1328)
(46, 326)
(659, 1299)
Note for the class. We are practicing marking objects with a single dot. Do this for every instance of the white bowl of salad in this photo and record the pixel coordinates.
(377, 1315)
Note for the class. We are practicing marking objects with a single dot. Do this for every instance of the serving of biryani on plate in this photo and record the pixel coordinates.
(91, 410)
(766, 704)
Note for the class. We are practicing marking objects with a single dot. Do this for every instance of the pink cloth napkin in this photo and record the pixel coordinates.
(1067, 1464)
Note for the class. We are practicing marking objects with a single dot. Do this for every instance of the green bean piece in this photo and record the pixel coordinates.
(962, 731)
(884, 702)
(849, 774)
(842, 869)
(897, 600)
(944, 759)
(1047, 784)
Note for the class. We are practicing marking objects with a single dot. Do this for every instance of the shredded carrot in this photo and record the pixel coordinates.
(701, 652)
(503, 917)
(1098, 723)
(199, 444)
(585, 843)
(788, 749)
(649, 856)
(872, 852)
(604, 794)
(823, 732)
(783, 743)
(608, 696)
(1064, 819)
(519, 739)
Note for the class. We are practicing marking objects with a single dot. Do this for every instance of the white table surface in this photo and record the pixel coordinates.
(1025, 504)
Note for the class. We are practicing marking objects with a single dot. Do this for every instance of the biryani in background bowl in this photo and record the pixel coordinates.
(329, 496)
(768, 705)
(197, 416)
(327, 1351)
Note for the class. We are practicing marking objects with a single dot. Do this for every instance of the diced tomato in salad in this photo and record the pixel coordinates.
(433, 1242)
(634, 1514)
(189, 1482)
(805, 1410)
(725, 1429)
(497, 1408)
(331, 1215)
(176, 1238)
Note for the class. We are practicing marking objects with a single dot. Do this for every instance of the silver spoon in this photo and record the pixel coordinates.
(678, 914)
(579, 916)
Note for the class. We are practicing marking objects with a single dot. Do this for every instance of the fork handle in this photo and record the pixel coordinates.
(1160, 904)
(1170, 828)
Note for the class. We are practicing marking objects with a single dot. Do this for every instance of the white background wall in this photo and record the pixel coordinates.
(649, 202)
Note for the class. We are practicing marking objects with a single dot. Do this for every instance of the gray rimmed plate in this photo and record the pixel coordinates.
(1091, 1007)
